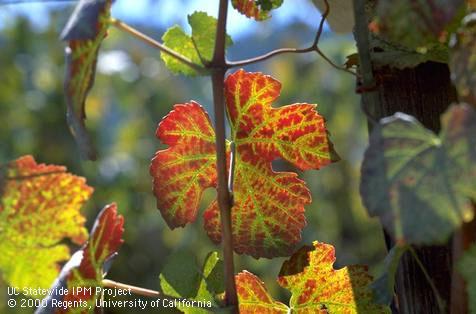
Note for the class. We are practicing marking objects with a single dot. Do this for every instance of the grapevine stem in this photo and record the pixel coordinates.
(219, 67)
(152, 42)
(145, 292)
(312, 48)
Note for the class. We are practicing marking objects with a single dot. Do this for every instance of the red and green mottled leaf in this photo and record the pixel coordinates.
(187, 167)
(315, 286)
(268, 214)
(39, 208)
(84, 32)
(256, 9)
(198, 47)
(463, 61)
(254, 298)
(466, 266)
(418, 183)
(87, 266)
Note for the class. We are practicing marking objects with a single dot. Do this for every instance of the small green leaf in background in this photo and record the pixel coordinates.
(84, 32)
(383, 286)
(467, 267)
(419, 184)
(198, 47)
(463, 59)
(256, 9)
(182, 277)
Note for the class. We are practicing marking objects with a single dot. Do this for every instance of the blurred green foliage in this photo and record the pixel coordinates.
(133, 91)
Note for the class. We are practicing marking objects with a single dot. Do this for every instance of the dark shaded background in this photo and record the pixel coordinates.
(133, 91)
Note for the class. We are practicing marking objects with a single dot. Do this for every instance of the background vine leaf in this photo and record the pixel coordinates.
(198, 47)
(467, 269)
(420, 184)
(268, 214)
(182, 277)
(84, 32)
(87, 266)
(384, 286)
(40, 208)
(315, 286)
(418, 24)
(256, 9)
(463, 61)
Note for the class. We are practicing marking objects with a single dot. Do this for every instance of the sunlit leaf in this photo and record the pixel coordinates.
(84, 32)
(198, 47)
(466, 267)
(315, 286)
(88, 266)
(419, 184)
(254, 297)
(187, 167)
(268, 215)
(463, 59)
(40, 208)
(182, 277)
(256, 9)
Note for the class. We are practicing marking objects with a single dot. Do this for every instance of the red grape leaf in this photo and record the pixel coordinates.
(268, 215)
(87, 266)
(254, 297)
(256, 9)
(187, 167)
(316, 287)
(85, 31)
(39, 208)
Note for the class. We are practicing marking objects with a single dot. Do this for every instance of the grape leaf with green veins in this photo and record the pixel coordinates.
(88, 266)
(315, 286)
(182, 277)
(268, 214)
(39, 208)
(84, 32)
(420, 184)
(198, 47)
(467, 269)
(256, 9)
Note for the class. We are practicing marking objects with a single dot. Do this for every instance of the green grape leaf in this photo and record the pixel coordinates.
(84, 32)
(198, 47)
(183, 278)
(83, 274)
(467, 269)
(40, 207)
(384, 286)
(463, 61)
(418, 24)
(268, 214)
(419, 184)
(315, 286)
(256, 9)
